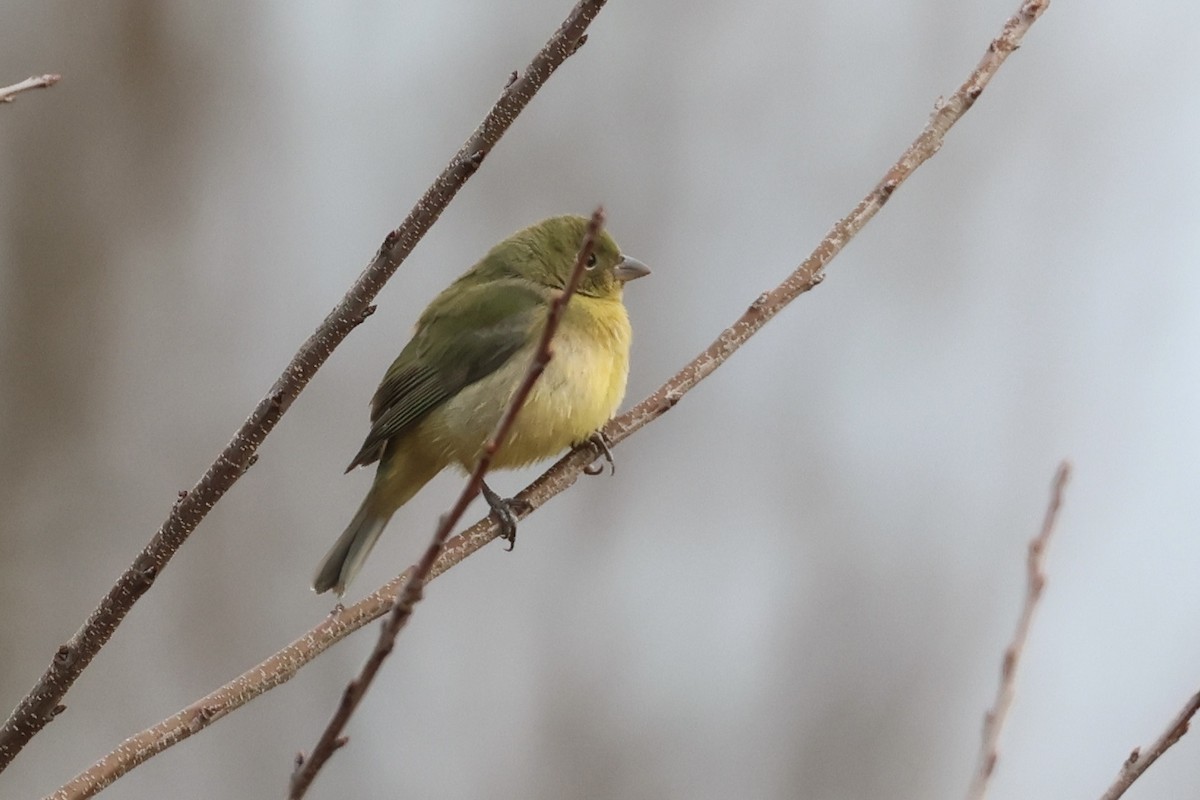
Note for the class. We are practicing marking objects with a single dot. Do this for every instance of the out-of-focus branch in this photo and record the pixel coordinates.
(283, 665)
(993, 722)
(331, 739)
(1138, 761)
(9, 93)
(43, 702)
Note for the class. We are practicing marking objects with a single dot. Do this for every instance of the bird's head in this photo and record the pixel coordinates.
(545, 253)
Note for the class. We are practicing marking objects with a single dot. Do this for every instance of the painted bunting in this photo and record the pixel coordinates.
(444, 395)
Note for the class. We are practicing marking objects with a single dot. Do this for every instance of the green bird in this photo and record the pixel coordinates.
(444, 395)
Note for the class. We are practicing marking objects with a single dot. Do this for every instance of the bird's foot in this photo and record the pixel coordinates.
(506, 514)
(598, 441)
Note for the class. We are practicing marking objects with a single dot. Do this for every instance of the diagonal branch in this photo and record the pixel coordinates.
(1138, 762)
(331, 739)
(283, 665)
(9, 93)
(43, 702)
(993, 722)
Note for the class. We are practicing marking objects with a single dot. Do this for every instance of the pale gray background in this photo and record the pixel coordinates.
(800, 581)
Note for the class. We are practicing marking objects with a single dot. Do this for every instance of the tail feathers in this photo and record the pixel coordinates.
(346, 557)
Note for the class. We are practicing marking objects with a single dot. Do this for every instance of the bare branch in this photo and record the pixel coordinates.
(9, 93)
(331, 739)
(1138, 762)
(44, 700)
(283, 665)
(993, 722)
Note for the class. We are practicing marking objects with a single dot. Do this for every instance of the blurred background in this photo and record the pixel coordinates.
(800, 581)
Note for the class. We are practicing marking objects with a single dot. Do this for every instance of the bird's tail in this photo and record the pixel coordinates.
(346, 557)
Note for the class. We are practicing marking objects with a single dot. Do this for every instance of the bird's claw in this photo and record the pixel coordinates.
(505, 513)
(598, 441)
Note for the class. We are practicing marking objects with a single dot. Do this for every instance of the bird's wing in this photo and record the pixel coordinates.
(467, 333)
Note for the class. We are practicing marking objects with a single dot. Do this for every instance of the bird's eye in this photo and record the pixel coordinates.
(591, 262)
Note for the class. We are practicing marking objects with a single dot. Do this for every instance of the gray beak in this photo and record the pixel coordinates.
(629, 269)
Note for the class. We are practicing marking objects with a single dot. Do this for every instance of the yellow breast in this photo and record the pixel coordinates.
(579, 391)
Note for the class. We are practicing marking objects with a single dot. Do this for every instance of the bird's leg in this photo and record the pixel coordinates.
(598, 441)
(503, 509)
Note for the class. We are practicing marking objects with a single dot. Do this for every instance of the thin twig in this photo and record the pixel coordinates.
(331, 738)
(43, 702)
(9, 93)
(993, 721)
(1138, 761)
(283, 665)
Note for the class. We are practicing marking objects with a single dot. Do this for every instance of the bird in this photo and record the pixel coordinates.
(444, 394)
